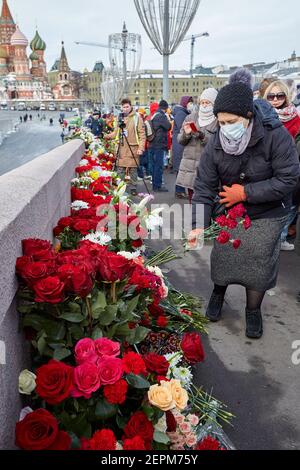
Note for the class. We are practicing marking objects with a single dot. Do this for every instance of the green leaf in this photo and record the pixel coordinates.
(109, 315)
(122, 330)
(132, 304)
(35, 321)
(137, 381)
(76, 331)
(61, 353)
(76, 443)
(97, 333)
(100, 302)
(137, 335)
(74, 307)
(161, 438)
(55, 330)
(105, 410)
(41, 344)
(25, 309)
(149, 412)
(121, 421)
(72, 317)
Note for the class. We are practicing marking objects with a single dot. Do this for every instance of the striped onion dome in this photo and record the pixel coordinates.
(37, 44)
(18, 38)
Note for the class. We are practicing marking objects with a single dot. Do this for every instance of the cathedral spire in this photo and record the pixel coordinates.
(6, 15)
(63, 64)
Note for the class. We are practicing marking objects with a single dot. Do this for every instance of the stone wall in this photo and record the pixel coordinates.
(32, 199)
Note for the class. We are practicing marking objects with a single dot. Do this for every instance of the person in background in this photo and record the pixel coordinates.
(256, 92)
(159, 145)
(180, 112)
(30, 117)
(144, 170)
(257, 165)
(278, 94)
(129, 155)
(194, 142)
(51, 121)
(97, 124)
(21, 119)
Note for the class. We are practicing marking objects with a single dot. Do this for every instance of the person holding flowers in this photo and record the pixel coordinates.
(251, 163)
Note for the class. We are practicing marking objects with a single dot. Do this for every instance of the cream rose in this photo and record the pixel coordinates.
(180, 396)
(161, 397)
(27, 382)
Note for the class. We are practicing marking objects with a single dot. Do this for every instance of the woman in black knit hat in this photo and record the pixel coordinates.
(251, 160)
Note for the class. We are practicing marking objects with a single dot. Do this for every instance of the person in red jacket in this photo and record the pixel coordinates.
(278, 95)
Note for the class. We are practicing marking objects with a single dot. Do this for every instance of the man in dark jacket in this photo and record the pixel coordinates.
(159, 145)
(97, 124)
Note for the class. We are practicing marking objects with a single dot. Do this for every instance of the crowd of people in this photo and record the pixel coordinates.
(237, 145)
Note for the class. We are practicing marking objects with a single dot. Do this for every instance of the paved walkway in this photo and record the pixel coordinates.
(257, 379)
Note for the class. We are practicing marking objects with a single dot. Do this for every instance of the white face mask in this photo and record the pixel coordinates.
(190, 107)
(234, 131)
(206, 109)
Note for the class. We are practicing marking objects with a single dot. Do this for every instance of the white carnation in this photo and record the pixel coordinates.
(79, 205)
(99, 238)
(128, 255)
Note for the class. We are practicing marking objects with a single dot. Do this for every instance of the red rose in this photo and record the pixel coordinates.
(86, 380)
(209, 443)
(50, 290)
(116, 394)
(105, 347)
(171, 422)
(137, 243)
(65, 222)
(21, 264)
(223, 238)
(35, 271)
(139, 425)
(247, 222)
(82, 284)
(57, 231)
(103, 440)
(157, 364)
(54, 382)
(85, 351)
(136, 443)
(133, 363)
(110, 370)
(236, 244)
(162, 321)
(192, 348)
(83, 226)
(113, 267)
(39, 431)
(36, 247)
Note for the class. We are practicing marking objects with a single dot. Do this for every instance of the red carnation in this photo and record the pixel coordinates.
(192, 348)
(65, 222)
(223, 238)
(103, 440)
(222, 221)
(54, 382)
(139, 425)
(247, 222)
(162, 321)
(82, 226)
(157, 364)
(50, 290)
(116, 394)
(39, 431)
(231, 223)
(136, 443)
(237, 212)
(133, 363)
(209, 443)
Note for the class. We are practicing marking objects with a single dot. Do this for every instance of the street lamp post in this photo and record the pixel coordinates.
(166, 22)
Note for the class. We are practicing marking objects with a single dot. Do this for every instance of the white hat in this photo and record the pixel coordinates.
(209, 94)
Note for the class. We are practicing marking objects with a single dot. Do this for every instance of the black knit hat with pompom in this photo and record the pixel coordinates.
(237, 97)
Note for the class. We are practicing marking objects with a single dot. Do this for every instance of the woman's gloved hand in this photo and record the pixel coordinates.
(234, 195)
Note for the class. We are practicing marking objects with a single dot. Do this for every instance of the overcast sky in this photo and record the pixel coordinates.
(242, 31)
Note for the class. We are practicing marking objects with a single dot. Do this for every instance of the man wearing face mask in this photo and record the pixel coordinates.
(180, 112)
(255, 162)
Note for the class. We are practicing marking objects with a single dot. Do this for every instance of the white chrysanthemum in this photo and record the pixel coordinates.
(153, 222)
(161, 425)
(79, 205)
(184, 374)
(156, 270)
(83, 162)
(128, 255)
(99, 238)
(174, 358)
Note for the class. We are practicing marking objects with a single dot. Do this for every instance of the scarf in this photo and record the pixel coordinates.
(205, 119)
(236, 147)
(288, 113)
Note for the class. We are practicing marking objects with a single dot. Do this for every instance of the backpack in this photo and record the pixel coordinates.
(150, 132)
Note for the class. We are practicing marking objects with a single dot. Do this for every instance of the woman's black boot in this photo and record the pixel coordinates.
(214, 309)
(254, 324)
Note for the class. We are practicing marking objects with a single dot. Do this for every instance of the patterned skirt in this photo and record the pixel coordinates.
(255, 264)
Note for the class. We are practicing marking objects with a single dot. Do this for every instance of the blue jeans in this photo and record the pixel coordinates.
(145, 165)
(157, 157)
(291, 217)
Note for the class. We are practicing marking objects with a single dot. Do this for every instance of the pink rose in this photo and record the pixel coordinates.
(86, 380)
(106, 347)
(179, 419)
(85, 351)
(185, 428)
(110, 370)
(193, 419)
(191, 440)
